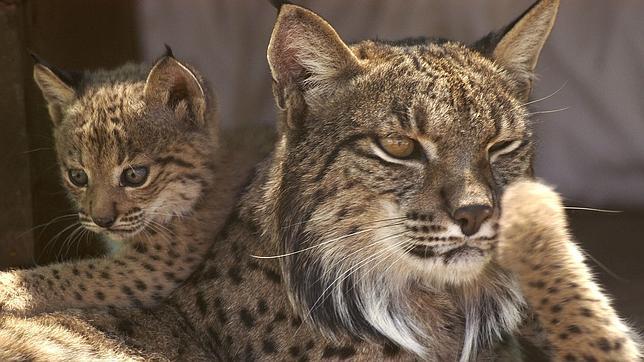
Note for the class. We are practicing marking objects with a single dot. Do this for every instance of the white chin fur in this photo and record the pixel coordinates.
(461, 269)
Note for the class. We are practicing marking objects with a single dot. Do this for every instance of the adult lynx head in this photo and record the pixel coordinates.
(396, 155)
(135, 145)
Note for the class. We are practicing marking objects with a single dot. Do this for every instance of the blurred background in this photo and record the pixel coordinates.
(589, 126)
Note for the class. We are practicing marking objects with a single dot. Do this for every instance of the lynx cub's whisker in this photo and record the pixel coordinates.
(290, 277)
(140, 156)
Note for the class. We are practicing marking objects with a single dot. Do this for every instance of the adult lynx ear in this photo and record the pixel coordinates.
(57, 88)
(306, 54)
(517, 46)
(173, 85)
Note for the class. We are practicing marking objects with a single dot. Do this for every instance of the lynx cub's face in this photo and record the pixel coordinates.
(133, 143)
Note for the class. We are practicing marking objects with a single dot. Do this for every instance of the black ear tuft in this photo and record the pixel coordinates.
(516, 47)
(277, 4)
(168, 51)
(35, 57)
(59, 88)
(72, 79)
(487, 44)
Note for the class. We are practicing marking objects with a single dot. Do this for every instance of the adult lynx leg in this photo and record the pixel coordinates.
(577, 317)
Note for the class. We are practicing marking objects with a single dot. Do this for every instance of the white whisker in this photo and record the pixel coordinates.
(548, 111)
(603, 266)
(330, 218)
(384, 272)
(548, 96)
(55, 237)
(67, 243)
(320, 244)
(46, 225)
(346, 274)
(351, 254)
(592, 209)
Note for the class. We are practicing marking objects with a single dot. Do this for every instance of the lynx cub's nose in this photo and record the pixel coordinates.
(104, 222)
(471, 217)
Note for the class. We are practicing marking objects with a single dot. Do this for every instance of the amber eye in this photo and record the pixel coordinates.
(77, 177)
(397, 146)
(134, 176)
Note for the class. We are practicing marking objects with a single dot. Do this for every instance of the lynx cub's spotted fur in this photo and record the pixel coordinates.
(138, 150)
(372, 231)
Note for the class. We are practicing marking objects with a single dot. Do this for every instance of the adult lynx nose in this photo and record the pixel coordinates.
(471, 217)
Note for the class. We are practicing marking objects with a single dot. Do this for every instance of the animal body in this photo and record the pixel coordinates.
(138, 149)
(389, 222)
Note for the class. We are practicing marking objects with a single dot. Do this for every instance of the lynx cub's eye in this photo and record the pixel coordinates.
(134, 176)
(77, 177)
(396, 146)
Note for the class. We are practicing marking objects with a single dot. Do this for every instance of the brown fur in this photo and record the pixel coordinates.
(339, 250)
(108, 121)
(578, 320)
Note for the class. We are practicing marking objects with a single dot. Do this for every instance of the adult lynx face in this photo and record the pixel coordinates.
(133, 144)
(397, 153)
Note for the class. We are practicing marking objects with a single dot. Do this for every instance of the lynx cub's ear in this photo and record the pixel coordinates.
(517, 46)
(306, 54)
(57, 88)
(175, 86)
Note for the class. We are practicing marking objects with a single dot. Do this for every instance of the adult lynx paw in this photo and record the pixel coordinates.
(577, 318)
(530, 211)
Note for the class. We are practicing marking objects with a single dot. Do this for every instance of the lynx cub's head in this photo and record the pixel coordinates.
(393, 158)
(135, 145)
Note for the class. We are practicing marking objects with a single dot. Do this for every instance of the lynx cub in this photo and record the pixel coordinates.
(138, 149)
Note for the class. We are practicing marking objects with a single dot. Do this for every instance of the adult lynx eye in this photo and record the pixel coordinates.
(501, 148)
(134, 176)
(399, 147)
(77, 177)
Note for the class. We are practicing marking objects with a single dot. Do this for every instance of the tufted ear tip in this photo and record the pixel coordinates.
(277, 4)
(168, 51)
(35, 57)
(57, 86)
(517, 46)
